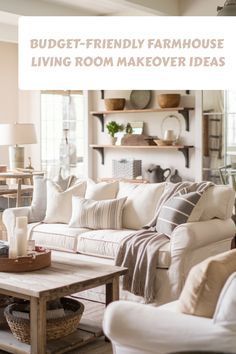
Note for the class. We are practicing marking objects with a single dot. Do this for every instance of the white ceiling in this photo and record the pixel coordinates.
(106, 7)
(11, 10)
(93, 6)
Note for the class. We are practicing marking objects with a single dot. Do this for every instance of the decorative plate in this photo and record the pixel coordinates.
(140, 99)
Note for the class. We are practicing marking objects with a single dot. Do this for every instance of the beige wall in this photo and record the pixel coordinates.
(8, 89)
(16, 105)
(29, 112)
(199, 7)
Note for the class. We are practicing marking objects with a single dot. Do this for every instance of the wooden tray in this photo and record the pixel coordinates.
(36, 261)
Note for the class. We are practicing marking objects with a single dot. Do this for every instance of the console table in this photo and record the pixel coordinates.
(19, 177)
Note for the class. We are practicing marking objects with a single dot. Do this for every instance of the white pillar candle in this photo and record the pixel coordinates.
(21, 235)
(12, 246)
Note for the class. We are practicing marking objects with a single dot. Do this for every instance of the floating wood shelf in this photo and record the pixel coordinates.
(182, 110)
(182, 148)
(103, 93)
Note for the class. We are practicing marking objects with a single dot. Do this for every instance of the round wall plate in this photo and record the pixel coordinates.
(140, 99)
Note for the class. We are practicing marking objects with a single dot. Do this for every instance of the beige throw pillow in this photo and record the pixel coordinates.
(102, 190)
(103, 214)
(141, 203)
(59, 203)
(204, 284)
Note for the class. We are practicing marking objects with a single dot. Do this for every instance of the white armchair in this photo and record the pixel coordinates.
(142, 329)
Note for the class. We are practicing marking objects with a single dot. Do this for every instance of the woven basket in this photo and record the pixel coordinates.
(114, 104)
(56, 328)
(4, 302)
(128, 169)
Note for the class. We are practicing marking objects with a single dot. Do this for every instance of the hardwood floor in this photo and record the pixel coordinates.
(98, 347)
(94, 314)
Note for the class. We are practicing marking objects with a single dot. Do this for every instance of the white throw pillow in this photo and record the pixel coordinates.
(141, 203)
(39, 200)
(216, 202)
(102, 190)
(225, 313)
(59, 203)
(92, 214)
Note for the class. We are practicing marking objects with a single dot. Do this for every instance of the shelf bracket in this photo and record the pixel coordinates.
(185, 114)
(100, 116)
(100, 150)
(187, 92)
(185, 152)
(102, 94)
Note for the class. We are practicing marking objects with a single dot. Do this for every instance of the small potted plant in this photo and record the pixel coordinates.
(114, 128)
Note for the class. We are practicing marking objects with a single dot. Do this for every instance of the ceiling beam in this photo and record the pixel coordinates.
(40, 8)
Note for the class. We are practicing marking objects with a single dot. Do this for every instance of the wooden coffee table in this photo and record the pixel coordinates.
(64, 277)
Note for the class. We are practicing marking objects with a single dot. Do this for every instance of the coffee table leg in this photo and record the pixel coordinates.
(112, 291)
(38, 326)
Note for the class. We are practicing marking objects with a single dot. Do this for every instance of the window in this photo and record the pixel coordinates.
(231, 118)
(62, 132)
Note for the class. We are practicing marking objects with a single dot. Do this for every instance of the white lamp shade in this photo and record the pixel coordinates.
(229, 8)
(17, 134)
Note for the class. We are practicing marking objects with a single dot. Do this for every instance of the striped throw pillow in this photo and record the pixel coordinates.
(176, 211)
(92, 214)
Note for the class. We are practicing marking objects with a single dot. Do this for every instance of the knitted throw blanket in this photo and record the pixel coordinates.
(139, 251)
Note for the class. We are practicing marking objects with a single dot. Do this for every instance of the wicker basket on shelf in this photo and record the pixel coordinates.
(115, 104)
(129, 169)
(56, 327)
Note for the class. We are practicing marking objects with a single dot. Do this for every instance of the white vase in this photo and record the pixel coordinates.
(113, 140)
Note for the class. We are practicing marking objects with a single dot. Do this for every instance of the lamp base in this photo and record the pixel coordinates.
(16, 157)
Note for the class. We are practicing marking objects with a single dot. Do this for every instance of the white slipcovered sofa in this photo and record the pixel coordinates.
(211, 232)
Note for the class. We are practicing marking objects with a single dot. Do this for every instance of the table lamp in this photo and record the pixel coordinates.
(229, 8)
(15, 135)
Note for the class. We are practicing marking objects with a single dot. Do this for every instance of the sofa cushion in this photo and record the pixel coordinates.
(56, 236)
(102, 190)
(141, 202)
(204, 284)
(100, 243)
(216, 202)
(59, 203)
(105, 243)
(102, 214)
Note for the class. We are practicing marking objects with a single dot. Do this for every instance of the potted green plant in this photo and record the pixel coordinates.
(114, 128)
